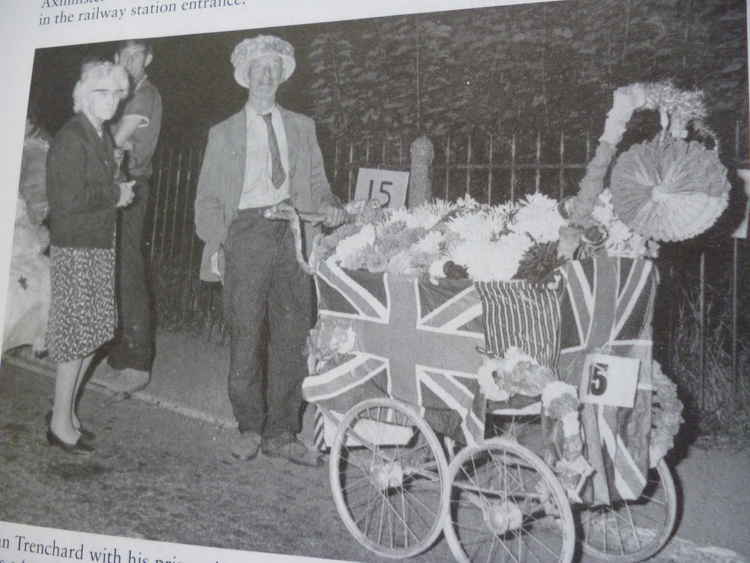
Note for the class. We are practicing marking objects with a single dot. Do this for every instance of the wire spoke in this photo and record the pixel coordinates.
(541, 543)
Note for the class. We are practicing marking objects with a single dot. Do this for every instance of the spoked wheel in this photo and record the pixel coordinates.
(505, 504)
(633, 530)
(390, 497)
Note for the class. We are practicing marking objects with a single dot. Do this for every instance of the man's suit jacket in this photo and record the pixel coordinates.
(222, 176)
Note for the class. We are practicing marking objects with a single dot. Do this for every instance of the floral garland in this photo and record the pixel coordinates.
(666, 415)
(560, 402)
(677, 107)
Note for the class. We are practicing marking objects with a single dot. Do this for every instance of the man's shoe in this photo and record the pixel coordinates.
(288, 446)
(127, 380)
(246, 445)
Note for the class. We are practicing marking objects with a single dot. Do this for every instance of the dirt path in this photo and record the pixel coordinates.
(715, 484)
(162, 476)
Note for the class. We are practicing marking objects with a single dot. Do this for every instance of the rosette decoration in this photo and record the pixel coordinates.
(669, 190)
(666, 189)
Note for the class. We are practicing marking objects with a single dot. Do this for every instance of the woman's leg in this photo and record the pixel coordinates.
(84, 367)
(65, 388)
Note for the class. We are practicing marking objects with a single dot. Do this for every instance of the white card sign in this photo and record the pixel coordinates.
(387, 186)
(610, 380)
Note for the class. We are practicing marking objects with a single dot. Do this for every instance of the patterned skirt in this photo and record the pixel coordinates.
(83, 312)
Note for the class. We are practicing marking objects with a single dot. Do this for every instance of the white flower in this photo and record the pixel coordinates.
(500, 214)
(487, 260)
(484, 225)
(603, 210)
(515, 355)
(537, 216)
(467, 202)
(400, 264)
(396, 215)
(347, 249)
(429, 244)
(423, 216)
(439, 207)
(557, 390)
(436, 270)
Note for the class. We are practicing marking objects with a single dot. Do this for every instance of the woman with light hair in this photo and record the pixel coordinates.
(83, 197)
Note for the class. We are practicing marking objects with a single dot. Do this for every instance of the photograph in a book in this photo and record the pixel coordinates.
(458, 285)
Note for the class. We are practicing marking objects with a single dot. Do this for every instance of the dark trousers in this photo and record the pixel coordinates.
(268, 308)
(133, 346)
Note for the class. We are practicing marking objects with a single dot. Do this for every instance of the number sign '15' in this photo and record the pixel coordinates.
(610, 380)
(387, 186)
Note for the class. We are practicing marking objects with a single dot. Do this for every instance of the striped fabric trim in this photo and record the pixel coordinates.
(523, 315)
(319, 431)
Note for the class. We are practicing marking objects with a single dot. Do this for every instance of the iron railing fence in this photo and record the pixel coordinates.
(703, 284)
(491, 168)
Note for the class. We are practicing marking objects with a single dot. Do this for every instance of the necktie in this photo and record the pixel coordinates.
(277, 169)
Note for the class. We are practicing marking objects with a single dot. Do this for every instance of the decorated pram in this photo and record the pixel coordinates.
(437, 322)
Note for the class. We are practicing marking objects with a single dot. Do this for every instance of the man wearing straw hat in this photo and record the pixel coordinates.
(257, 158)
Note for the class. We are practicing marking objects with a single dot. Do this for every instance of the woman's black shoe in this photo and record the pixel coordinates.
(79, 448)
(86, 434)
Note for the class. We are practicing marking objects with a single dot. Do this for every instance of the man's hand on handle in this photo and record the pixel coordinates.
(334, 215)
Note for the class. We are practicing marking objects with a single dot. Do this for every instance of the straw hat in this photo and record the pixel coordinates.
(250, 49)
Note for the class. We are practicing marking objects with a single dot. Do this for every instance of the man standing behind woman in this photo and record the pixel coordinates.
(136, 132)
(83, 200)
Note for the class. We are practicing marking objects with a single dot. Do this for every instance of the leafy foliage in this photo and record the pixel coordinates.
(545, 66)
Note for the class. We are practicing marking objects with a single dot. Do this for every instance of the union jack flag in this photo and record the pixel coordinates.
(608, 307)
(415, 342)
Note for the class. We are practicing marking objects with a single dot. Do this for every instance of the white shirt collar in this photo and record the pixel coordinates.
(251, 111)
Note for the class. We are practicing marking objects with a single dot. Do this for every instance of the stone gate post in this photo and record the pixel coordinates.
(420, 176)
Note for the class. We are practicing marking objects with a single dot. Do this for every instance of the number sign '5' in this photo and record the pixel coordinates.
(609, 380)
(387, 186)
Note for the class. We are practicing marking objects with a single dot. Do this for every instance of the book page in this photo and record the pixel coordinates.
(46, 42)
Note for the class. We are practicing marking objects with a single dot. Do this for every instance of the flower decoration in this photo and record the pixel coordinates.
(677, 107)
(329, 342)
(621, 240)
(560, 402)
(515, 373)
(487, 260)
(539, 218)
(462, 239)
(348, 249)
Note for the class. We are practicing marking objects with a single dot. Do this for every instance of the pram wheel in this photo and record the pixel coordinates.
(629, 531)
(505, 504)
(388, 474)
